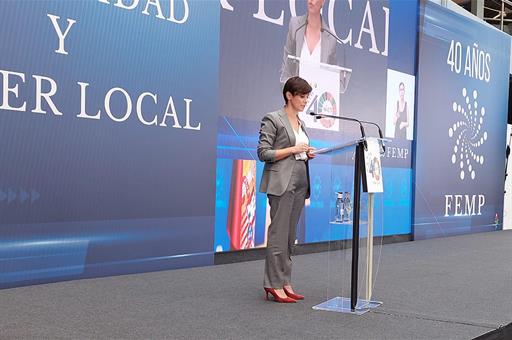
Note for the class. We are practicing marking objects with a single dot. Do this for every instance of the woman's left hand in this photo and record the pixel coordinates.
(309, 154)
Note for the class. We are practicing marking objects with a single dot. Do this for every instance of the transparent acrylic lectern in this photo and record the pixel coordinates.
(308, 68)
(355, 225)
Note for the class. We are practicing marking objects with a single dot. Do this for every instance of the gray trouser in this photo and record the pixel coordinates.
(284, 214)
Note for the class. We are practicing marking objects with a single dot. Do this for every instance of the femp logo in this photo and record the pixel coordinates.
(468, 135)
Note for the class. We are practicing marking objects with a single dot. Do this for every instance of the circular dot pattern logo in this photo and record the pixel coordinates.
(327, 105)
(468, 135)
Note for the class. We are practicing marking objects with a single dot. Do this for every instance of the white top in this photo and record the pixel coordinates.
(312, 57)
(300, 137)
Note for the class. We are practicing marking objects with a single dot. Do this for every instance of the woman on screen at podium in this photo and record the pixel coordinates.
(284, 147)
(309, 39)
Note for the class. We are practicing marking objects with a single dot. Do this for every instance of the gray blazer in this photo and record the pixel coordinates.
(293, 46)
(276, 132)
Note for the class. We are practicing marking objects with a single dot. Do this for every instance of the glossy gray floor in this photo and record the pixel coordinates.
(451, 288)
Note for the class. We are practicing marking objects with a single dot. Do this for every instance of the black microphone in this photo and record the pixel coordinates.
(375, 124)
(361, 122)
(380, 133)
(337, 39)
(295, 39)
(344, 62)
(298, 28)
(334, 35)
(321, 115)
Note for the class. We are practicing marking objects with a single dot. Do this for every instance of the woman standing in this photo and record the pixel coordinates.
(401, 115)
(309, 39)
(284, 147)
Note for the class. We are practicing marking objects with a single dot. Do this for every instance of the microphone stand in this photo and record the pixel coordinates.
(381, 136)
(333, 35)
(360, 122)
(321, 115)
(358, 176)
(298, 28)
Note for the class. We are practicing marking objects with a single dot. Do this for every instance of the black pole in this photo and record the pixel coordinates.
(507, 153)
(355, 226)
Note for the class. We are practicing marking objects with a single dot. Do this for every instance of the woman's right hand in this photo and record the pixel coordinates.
(301, 147)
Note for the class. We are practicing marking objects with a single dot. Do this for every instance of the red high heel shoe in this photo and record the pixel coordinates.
(277, 298)
(294, 296)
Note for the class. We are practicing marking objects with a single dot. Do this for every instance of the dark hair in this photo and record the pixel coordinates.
(296, 85)
(401, 84)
